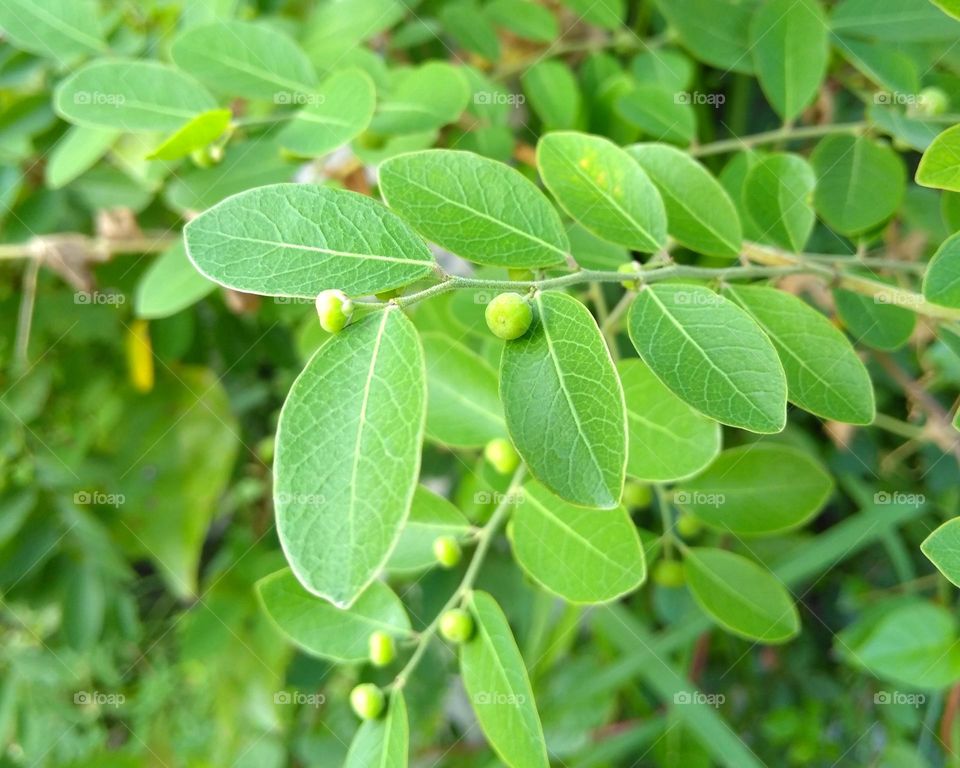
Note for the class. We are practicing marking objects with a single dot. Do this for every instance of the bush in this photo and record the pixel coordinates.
(468, 383)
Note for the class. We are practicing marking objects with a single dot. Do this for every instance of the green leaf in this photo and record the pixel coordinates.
(131, 96)
(714, 31)
(888, 68)
(913, 644)
(700, 214)
(901, 125)
(897, 21)
(57, 29)
(591, 252)
(824, 374)
(431, 516)
(942, 548)
(463, 404)
(941, 283)
(321, 629)
(860, 183)
(564, 404)
(300, 239)
(711, 354)
(757, 489)
(778, 195)
(478, 208)
(423, 99)
(582, 555)
(77, 152)
(241, 58)
(339, 111)
(668, 68)
(740, 596)
(496, 681)
(603, 13)
(668, 440)
(951, 7)
(662, 115)
(604, 189)
(789, 42)
(468, 25)
(382, 742)
(348, 455)
(196, 134)
(881, 326)
(553, 93)
(169, 285)
(940, 165)
(524, 19)
(335, 28)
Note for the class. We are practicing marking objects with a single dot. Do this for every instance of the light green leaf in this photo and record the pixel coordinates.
(431, 516)
(336, 27)
(554, 94)
(169, 285)
(881, 326)
(912, 644)
(384, 741)
(131, 96)
(860, 183)
(896, 21)
(940, 165)
(471, 28)
(339, 111)
(603, 13)
(463, 405)
(241, 58)
(711, 354)
(77, 152)
(668, 440)
(591, 252)
(714, 31)
(196, 134)
(564, 404)
(941, 283)
(662, 115)
(740, 596)
(778, 196)
(789, 42)
(757, 489)
(667, 68)
(524, 18)
(951, 7)
(901, 125)
(942, 548)
(700, 214)
(478, 208)
(603, 188)
(496, 680)
(321, 629)
(423, 99)
(348, 455)
(57, 29)
(824, 374)
(582, 555)
(300, 239)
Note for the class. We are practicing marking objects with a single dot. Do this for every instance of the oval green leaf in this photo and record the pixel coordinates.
(940, 165)
(711, 354)
(942, 548)
(300, 239)
(778, 197)
(941, 283)
(57, 29)
(169, 285)
(564, 404)
(475, 207)
(661, 114)
(348, 455)
(422, 99)
(196, 134)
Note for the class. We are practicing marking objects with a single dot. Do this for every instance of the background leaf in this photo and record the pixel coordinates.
(778, 195)
(382, 742)
(942, 548)
(169, 285)
(431, 516)
(940, 165)
(58, 29)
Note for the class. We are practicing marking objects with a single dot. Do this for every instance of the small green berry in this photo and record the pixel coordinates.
(383, 648)
(456, 625)
(637, 495)
(367, 701)
(668, 573)
(630, 268)
(523, 275)
(932, 101)
(508, 316)
(447, 551)
(510, 530)
(688, 526)
(502, 456)
(334, 310)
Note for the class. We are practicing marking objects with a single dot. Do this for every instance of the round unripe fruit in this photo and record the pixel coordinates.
(334, 310)
(933, 101)
(456, 625)
(630, 268)
(637, 495)
(367, 701)
(447, 551)
(668, 573)
(508, 316)
(502, 456)
(383, 649)
(688, 526)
